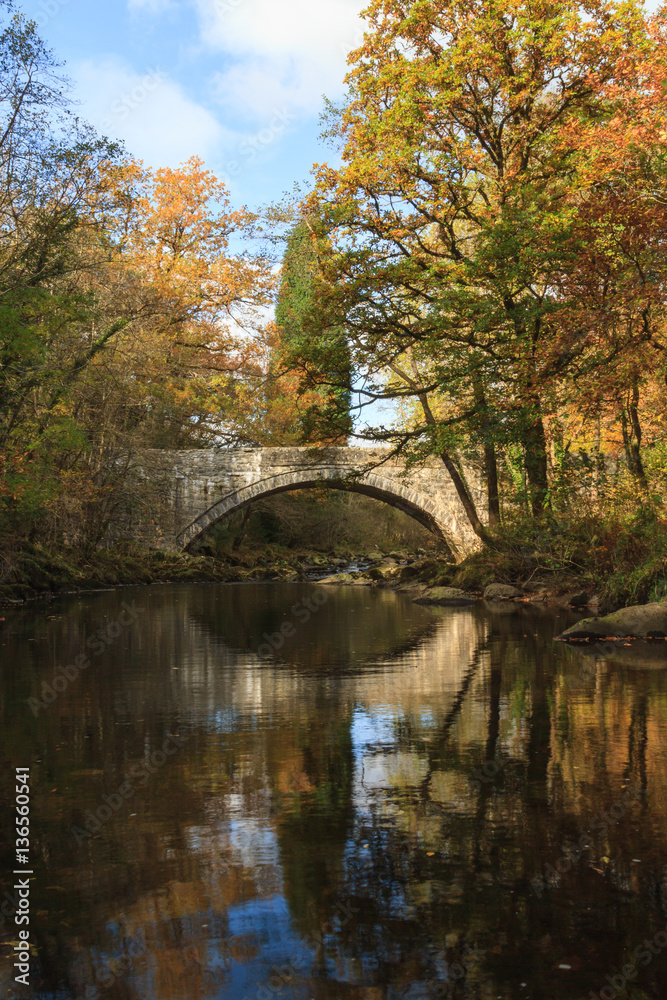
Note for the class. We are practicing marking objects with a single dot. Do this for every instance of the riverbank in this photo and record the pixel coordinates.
(36, 572)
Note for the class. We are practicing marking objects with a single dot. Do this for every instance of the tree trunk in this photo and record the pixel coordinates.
(491, 472)
(597, 457)
(535, 448)
(632, 438)
(459, 485)
(626, 441)
(240, 534)
(490, 461)
(467, 501)
(636, 439)
(462, 491)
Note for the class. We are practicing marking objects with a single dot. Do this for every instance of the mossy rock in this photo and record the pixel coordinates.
(384, 572)
(451, 596)
(642, 621)
(338, 579)
(502, 592)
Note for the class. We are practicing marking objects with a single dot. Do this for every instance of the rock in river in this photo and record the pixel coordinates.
(642, 621)
(444, 595)
(385, 571)
(344, 578)
(501, 592)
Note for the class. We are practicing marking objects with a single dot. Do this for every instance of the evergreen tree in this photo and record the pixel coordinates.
(324, 355)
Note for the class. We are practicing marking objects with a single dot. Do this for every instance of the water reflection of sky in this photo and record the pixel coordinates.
(344, 773)
(376, 729)
(266, 924)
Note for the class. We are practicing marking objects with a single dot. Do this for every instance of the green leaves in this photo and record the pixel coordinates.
(317, 353)
(484, 217)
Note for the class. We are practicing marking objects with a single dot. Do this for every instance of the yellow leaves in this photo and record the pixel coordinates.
(175, 234)
(167, 270)
(77, 489)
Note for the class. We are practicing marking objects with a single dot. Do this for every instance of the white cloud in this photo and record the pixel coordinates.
(149, 112)
(259, 87)
(289, 52)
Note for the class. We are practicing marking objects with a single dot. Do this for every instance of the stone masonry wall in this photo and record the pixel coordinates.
(191, 490)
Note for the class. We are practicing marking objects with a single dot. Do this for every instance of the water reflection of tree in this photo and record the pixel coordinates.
(388, 916)
(474, 900)
(352, 627)
(315, 812)
(112, 719)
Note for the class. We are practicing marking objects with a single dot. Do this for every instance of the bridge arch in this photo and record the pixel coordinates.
(418, 506)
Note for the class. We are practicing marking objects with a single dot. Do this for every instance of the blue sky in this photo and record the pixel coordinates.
(237, 82)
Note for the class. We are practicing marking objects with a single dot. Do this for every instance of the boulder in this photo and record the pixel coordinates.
(338, 578)
(386, 571)
(259, 573)
(409, 572)
(642, 621)
(241, 573)
(444, 596)
(578, 600)
(416, 589)
(349, 579)
(286, 574)
(501, 592)
(426, 567)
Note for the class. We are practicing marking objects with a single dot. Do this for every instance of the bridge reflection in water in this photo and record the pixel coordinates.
(359, 813)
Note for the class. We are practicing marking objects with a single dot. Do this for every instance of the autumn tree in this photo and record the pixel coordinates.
(325, 351)
(126, 318)
(614, 327)
(451, 233)
(49, 167)
(49, 164)
(194, 304)
(181, 370)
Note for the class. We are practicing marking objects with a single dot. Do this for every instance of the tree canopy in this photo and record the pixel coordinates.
(126, 320)
(489, 254)
(320, 354)
(492, 242)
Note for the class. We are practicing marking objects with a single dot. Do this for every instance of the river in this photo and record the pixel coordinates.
(291, 791)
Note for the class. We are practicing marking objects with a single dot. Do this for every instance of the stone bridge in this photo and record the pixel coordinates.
(197, 489)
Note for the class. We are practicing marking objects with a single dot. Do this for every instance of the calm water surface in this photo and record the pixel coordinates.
(382, 801)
